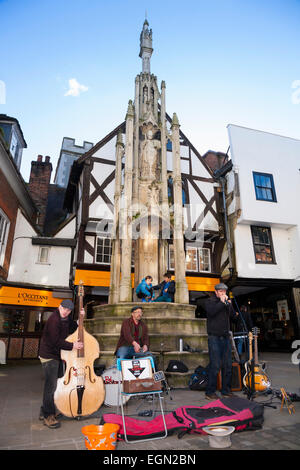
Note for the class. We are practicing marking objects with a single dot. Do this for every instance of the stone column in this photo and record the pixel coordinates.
(165, 211)
(182, 293)
(136, 143)
(126, 213)
(114, 288)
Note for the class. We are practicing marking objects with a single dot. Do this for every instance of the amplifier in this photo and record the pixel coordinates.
(236, 379)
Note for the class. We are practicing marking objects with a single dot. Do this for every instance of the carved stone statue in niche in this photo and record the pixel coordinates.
(149, 155)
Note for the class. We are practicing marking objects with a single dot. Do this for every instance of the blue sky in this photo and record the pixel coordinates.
(232, 61)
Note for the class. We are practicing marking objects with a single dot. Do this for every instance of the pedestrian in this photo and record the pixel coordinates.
(134, 337)
(58, 326)
(144, 290)
(167, 289)
(219, 310)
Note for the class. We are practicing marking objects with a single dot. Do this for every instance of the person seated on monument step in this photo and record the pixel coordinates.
(144, 290)
(134, 337)
(167, 289)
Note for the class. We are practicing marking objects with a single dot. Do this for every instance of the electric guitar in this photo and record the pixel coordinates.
(255, 378)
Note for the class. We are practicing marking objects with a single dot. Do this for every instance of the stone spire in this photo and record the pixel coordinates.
(146, 47)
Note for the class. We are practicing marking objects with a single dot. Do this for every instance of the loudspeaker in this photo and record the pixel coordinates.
(236, 380)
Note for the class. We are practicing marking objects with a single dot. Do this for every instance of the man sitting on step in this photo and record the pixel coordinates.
(134, 338)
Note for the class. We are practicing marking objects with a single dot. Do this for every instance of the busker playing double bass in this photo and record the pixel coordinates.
(58, 326)
(219, 311)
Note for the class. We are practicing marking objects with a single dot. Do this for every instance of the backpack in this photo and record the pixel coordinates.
(199, 379)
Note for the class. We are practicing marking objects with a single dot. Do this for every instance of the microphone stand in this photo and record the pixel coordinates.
(245, 329)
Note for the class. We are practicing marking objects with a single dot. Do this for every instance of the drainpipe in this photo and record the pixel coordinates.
(227, 233)
(220, 176)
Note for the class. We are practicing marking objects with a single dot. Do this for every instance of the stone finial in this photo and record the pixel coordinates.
(163, 84)
(130, 109)
(119, 138)
(146, 47)
(175, 121)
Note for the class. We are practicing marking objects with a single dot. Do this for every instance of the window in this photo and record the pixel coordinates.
(264, 187)
(169, 146)
(103, 250)
(204, 260)
(171, 258)
(43, 256)
(191, 259)
(197, 259)
(4, 226)
(263, 246)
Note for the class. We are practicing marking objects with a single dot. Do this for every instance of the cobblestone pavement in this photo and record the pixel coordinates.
(21, 385)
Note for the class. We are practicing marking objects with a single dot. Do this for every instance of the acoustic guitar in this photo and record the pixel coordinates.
(255, 378)
(80, 392)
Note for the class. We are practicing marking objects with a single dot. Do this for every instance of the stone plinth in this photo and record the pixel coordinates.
(167, 323)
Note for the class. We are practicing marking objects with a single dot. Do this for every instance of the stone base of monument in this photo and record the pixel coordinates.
(167, 324)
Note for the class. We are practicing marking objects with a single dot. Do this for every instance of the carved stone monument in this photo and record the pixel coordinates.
(143, 221)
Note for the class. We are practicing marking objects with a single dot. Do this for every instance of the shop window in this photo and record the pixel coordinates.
(4, 321)
(263, 246)
(204, 260)
(17, 322)
(4, 226)
(43, 256)
(264, 187)
(35, 323)
(103, 250)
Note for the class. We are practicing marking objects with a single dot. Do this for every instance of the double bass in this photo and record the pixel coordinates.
(80, 392)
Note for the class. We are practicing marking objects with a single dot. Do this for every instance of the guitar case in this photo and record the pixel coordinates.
(239, 412)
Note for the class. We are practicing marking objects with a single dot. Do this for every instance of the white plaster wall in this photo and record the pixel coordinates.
(108, 150)
(24, 266)
(245, 259)
(263, 152)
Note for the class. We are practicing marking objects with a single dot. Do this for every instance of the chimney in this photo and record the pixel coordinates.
(38, 186)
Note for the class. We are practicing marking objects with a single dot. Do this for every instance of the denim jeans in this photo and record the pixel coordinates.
(163, 298)
(242, 344)
(220, 357)
(127, 352)
(50, 369)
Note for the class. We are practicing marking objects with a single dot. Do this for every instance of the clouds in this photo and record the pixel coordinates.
(75, 88)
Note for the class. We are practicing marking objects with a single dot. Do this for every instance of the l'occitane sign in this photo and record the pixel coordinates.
(31, 297)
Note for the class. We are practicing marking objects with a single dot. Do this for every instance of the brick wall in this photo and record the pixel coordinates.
(9, 204)
(38, 185)
(215, 160)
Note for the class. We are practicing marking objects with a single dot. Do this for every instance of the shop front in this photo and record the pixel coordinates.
(273, 311)
(23, 314)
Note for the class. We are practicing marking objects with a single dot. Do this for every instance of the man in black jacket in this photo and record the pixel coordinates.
(219, 310)
(58, 326)
(167, 289)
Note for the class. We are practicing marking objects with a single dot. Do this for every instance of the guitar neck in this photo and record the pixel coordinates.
(250, 348)
(80, 352)
(255, 350)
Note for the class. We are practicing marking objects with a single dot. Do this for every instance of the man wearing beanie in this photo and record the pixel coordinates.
(58, 326)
